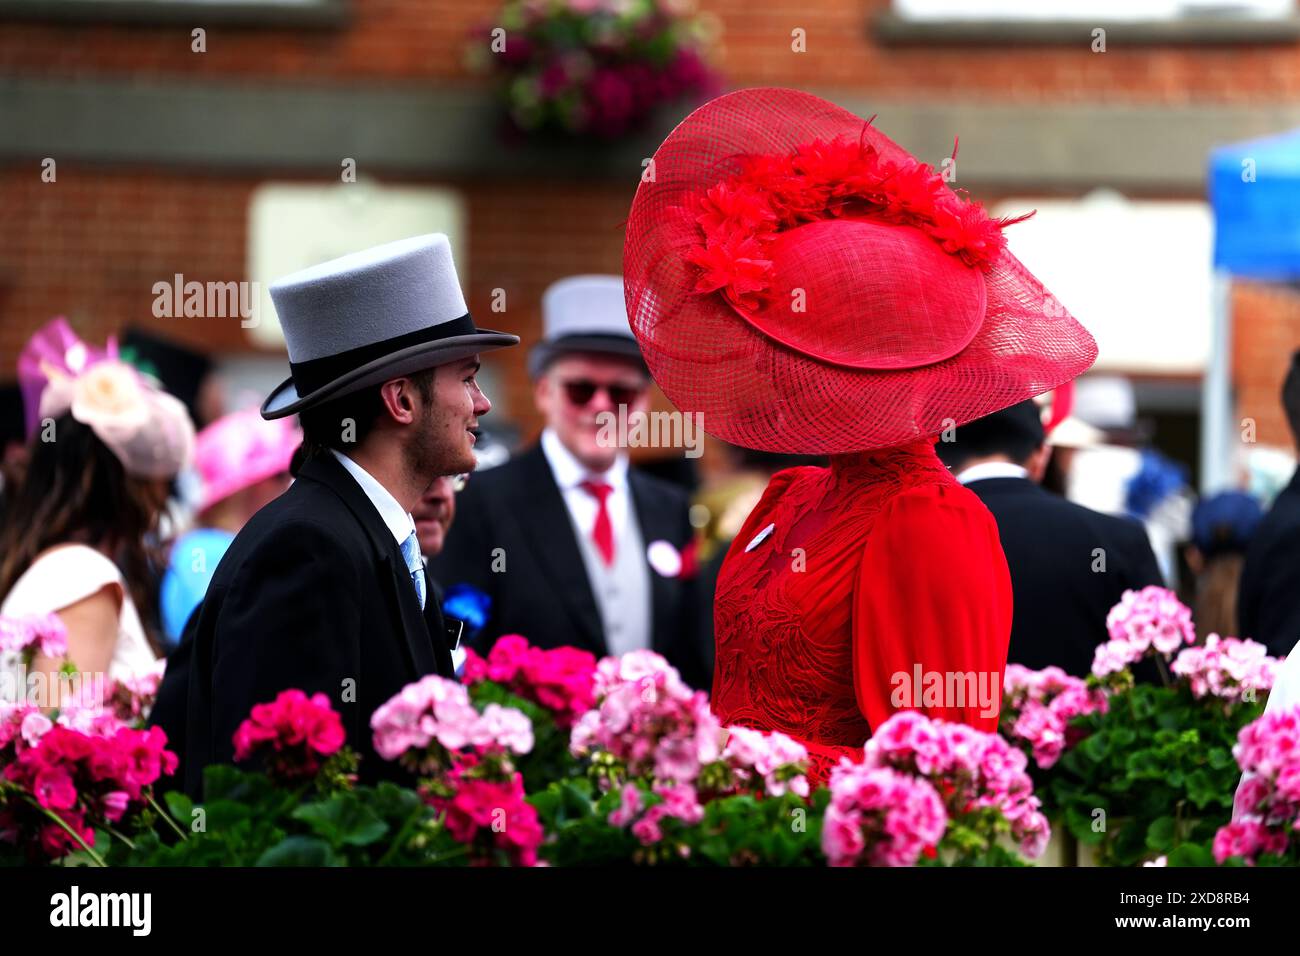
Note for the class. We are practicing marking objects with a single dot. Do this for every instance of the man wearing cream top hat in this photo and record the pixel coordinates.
(570, 544)
(324, 590)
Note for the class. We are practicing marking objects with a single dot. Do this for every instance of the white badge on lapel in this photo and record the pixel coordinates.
(664, 558)
(759, 538)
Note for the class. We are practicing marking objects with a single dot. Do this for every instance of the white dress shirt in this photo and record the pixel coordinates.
(622, 590)
(397, 518)
(991, 469)
(399, 522)
(570, 474)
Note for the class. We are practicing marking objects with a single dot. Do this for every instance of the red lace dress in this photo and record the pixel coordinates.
(879, 570)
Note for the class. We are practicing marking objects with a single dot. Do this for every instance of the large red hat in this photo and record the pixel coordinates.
(808, 286)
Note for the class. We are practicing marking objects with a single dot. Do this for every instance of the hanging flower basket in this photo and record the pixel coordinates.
(593, 69)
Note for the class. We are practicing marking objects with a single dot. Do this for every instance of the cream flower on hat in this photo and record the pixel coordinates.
(110, 393)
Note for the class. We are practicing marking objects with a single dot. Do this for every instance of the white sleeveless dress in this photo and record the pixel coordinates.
(63, 576)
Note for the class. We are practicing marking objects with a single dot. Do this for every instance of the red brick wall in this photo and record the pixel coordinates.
(424, 40)
(1266, 330)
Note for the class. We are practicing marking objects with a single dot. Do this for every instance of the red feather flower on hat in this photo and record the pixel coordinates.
(730, 205)
(734, 265)
(740, 215)
(967, 231)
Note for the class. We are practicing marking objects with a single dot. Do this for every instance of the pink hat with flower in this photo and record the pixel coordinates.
(239, 450)
(148, 430)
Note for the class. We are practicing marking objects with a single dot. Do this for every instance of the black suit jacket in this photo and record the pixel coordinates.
(543, 593)
(1268, 598)
(312, 594)
(1060, 603)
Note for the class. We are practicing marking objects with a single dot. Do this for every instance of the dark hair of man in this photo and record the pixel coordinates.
(1015, 432)
(346, 422)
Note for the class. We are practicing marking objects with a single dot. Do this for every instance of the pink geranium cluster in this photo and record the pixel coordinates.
(973, 771)
(463, 758)
(559, 680)
(131, 698)
(32, 634)
(657, 728)
(484, 807)
(773, 758)
(1152, 620)
(1227, 668)
(1266, 810)
(880, 817)
(80, 709)
(432, 720)
(21, 726)
(292, 735)
(648, 719)
(677, 801)
(666, 742)
(81, 780)
(1039, 705)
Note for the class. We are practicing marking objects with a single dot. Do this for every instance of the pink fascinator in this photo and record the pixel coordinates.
(239, 450)
(148, 430)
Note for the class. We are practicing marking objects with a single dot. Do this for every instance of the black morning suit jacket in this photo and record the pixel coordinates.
(1060, 603)
(312, 594)
(1268, 597)
(543, 593)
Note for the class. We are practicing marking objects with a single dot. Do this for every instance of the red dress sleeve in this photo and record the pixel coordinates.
(932, 610)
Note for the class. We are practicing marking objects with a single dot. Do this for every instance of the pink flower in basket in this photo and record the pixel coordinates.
(880, 817)
(431, 719)
(43, 634)
(1150, 620)
(293, 735)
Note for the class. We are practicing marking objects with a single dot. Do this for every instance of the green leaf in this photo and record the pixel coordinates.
(179, 806)
(1160, 834)
(1191, 854)
(298, 851)
(343, 820)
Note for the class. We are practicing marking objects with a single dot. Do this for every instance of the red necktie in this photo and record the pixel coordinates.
(602, 533)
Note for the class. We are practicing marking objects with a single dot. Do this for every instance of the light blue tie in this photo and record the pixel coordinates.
(414, 564)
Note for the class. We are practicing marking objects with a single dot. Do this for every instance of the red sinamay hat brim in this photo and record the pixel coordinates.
(760, 390)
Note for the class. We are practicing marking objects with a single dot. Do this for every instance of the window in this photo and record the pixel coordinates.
(1069, 21)
(197, 12)
(1088, 10)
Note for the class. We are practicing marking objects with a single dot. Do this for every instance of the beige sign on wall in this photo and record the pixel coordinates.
(1136, 273)
(294, 225)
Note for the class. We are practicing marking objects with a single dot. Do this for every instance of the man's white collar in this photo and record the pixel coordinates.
(397, 518)
(991, 469)
(569, 472)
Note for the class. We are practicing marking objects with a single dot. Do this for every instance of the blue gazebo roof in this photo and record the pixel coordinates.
(1257, 223)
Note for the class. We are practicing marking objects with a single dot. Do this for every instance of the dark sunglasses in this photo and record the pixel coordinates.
(580, 392)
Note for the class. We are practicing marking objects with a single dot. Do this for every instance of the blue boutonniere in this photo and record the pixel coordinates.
(467, 603)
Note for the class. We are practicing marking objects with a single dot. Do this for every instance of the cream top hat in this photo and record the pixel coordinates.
(585, 313)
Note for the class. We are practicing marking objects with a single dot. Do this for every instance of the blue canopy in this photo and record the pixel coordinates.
(1257, 223)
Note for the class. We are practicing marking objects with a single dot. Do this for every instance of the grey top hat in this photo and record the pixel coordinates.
(372, 316)
(584, 314)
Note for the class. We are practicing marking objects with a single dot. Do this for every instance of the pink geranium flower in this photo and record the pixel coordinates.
(428, 721)
(43, 634)
(291, 735)
(559, 679)
(82, 779)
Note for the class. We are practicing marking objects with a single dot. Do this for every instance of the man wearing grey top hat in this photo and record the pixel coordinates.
(570, 544)
(324, 589)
